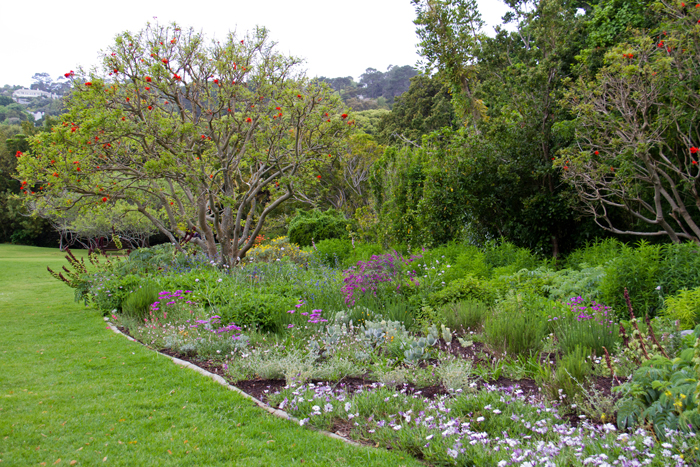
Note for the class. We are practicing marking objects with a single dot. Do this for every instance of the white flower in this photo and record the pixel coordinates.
(397, 427)
(496, 411)
(196, 280)
(429, 437)
(480, 419)
(347, 406)
(219, 280)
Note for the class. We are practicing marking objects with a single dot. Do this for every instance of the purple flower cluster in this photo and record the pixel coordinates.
(368, 275)
(585, 312)
(315, 317)
(172, 296)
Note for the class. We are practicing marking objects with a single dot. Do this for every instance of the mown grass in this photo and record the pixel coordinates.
(74, 393)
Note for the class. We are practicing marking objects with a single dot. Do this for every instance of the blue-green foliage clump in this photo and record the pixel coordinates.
(317, 225)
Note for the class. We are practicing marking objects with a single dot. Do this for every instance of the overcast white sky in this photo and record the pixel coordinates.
(336, 38)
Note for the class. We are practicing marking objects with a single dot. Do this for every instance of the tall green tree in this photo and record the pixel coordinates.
(204, 139)
(506, 89)
(637, 132)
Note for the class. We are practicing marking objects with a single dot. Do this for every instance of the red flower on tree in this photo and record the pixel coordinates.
(318, 176)
(248, 119)
(596, 153)
(693, 150)
(165, 60)
(150, 107)
(19, 154)
(88, 83)
(344, 116)
(177, 77)
(148, 78)
(104, 199)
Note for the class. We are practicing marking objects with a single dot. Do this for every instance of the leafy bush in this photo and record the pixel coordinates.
(363, 252)
(466, 288)
(518, 325)
(638, 269)
(662, 393)
(463, 315)
(259, 310)
(595, 254)
(509, 258)
(572, 282)
(333, 251)
(680, 268)
(317, 225)
(684, 307)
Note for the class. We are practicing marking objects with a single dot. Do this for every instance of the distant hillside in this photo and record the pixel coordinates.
(376, 89)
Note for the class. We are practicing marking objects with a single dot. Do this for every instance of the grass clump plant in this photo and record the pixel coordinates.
(463, 316)
(585, 324)
(518, 325)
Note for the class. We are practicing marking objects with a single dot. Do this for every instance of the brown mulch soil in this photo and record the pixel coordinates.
(262, 388)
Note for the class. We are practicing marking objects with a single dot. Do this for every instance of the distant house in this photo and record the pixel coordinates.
(30, 94)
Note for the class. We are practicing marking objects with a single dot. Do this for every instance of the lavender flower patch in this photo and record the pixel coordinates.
(496, 426)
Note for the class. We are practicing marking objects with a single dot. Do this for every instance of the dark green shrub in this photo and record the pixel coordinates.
(508, 257)
(263, 311)
(680, 268)
(466, 288)
(333, 252)
(595, 254)
(317, 225)
(464, 315)
(138, 303)
(639, 269)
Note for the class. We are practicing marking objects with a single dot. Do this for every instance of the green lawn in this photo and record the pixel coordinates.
(72, 392)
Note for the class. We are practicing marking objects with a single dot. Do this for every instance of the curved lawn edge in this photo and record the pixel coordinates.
(73, 390)
(276, 412)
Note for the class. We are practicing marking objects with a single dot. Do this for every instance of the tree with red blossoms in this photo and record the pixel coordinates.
(637, 131)
(204, 139)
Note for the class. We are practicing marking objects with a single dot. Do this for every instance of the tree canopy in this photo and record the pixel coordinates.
(204, 139)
